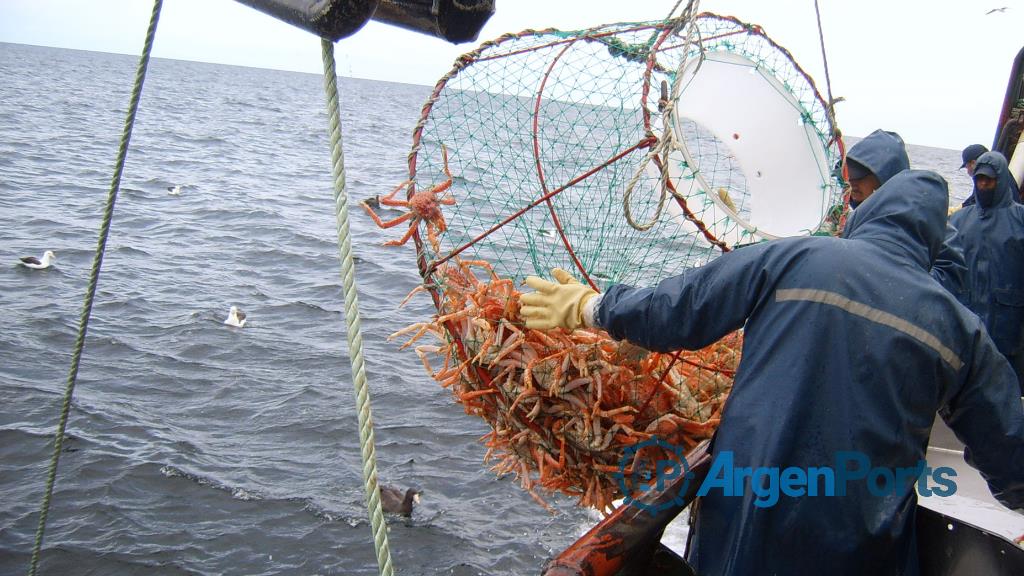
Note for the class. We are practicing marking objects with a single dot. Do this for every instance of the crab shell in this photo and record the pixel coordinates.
(425, 205)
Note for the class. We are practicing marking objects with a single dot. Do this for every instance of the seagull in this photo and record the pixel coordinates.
(236, 317)
(174, 190)
(994, 10)
(36, 263)
(394, 502)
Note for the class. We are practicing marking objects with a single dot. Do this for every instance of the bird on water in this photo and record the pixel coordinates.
(393, 501)
(236, 317)
(36, 263)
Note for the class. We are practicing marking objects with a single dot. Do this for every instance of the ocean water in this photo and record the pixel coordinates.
(195, 448)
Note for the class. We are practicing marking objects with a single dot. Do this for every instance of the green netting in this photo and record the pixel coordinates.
(575, 150)
(530, 113)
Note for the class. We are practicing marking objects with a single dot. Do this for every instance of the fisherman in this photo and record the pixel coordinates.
(849, 347)
(871, 163)
(992, 234)
(970, 157)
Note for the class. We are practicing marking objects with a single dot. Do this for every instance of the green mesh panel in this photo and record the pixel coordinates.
(529, 113)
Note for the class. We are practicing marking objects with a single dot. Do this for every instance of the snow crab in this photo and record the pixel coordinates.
(424, 206)
(563, 406)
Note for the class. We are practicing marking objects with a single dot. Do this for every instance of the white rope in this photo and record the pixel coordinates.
(668, 141)
(354, 334)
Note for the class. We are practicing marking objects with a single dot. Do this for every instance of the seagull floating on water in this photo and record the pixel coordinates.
(236, 317)
(36, 263)
(393, 501)
(174, 190)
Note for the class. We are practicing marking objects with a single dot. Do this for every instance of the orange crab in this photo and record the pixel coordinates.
(423, 207)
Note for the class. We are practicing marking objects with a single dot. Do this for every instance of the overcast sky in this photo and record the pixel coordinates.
(933, 70)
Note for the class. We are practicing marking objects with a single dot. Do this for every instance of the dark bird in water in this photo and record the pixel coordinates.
(994, 10)
(394, 502)
(36, 263)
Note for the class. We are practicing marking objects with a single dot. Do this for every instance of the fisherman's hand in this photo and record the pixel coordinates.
(555, 305)
(563, 276)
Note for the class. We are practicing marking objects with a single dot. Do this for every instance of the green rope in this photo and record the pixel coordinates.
(355, 338)
(97, 263)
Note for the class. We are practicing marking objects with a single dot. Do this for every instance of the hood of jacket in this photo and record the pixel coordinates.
(908, 213)
(881, 152)
(1002, 196)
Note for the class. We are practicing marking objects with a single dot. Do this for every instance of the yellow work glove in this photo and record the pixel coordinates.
(555, 305)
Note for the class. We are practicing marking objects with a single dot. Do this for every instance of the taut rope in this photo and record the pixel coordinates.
(354, 334)
(97, 264)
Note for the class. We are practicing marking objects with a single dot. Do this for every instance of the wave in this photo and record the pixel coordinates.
(237, 492)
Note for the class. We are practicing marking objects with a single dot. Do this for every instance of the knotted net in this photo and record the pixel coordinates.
(625, 153)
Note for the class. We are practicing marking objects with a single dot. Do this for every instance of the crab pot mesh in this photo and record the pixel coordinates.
(548, 149)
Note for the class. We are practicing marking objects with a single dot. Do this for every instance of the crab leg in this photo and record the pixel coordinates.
(389, 223)
(387, 198)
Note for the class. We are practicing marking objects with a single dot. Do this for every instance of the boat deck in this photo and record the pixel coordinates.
(972, 502)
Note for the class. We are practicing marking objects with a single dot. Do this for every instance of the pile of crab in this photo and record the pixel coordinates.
(564, 406)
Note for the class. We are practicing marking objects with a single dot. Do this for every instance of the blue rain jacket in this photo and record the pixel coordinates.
(849, 346)
(950, 267)
(885, 154)
(993, 241)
